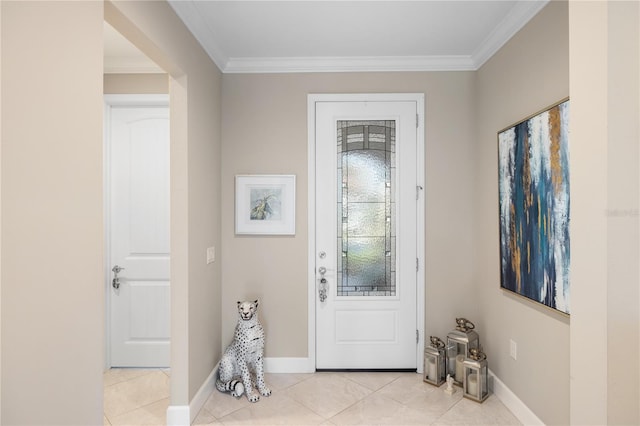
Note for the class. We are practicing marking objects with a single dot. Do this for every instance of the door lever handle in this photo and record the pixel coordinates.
(322, 291)
(322, 288)
(116, 279)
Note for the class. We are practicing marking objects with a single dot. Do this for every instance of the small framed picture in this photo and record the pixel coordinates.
(266, 204)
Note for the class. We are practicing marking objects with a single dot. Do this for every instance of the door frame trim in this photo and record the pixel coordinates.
(111, 101)
(312, 99)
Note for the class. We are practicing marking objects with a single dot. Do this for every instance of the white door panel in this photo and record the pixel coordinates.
(366, 219)
(138, 170)
(366, 326)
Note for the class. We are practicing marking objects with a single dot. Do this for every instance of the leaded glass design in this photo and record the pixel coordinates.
(366, 208)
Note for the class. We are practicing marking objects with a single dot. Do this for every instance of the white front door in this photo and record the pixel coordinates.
(137, 152)
(366, 165)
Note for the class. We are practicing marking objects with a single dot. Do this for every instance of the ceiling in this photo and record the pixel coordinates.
(333, 35)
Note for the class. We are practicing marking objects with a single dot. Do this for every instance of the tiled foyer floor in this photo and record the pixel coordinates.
(141, 397)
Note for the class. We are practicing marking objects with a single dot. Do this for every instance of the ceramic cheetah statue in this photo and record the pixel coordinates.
(243, 356)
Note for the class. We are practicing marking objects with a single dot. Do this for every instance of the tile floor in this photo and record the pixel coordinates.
(135, 397)
(141, 397)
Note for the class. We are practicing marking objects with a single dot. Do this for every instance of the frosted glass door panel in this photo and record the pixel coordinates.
(365, 208)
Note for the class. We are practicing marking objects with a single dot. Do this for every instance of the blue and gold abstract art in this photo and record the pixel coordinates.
(534, 207)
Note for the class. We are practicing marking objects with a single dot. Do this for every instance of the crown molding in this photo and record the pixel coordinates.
(187, 11)
(521, 13)
(349, 64)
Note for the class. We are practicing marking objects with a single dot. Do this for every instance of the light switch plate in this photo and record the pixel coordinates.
(211, 255)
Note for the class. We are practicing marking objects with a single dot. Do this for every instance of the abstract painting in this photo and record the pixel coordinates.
(534, 207)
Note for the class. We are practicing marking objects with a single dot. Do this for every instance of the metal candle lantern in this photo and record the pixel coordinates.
(475, 376)
(459, 342)
(434, 362)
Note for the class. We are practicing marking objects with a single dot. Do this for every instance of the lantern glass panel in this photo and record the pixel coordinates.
(434, 365)
(456, 354)
(471, 382)
(475, 380)
(484, 387)
(460, 357)
(430, 367)
(452, 351)
(464, 341)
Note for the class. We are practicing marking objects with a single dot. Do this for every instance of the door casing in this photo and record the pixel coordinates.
(312, 99)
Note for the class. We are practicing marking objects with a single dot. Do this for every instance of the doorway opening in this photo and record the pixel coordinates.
(137, 235)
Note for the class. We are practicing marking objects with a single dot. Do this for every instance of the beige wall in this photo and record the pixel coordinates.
(528, 74)
(194, 89)
(605, 78)
(136, 84)
(623, 218)
(52, 242)
(265, 131)
(52, 204)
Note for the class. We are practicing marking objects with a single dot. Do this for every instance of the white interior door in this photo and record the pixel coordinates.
(366, 235)
(138, 233)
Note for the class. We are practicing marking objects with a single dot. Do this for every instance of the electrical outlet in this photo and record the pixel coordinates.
(211, 255)
(513, 349)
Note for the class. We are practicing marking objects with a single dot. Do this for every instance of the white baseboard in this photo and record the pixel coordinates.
(289, 365)
(203, 393)
(183, 415)
(513, 403)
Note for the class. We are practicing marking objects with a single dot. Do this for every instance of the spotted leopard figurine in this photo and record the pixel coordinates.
(243, 356)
